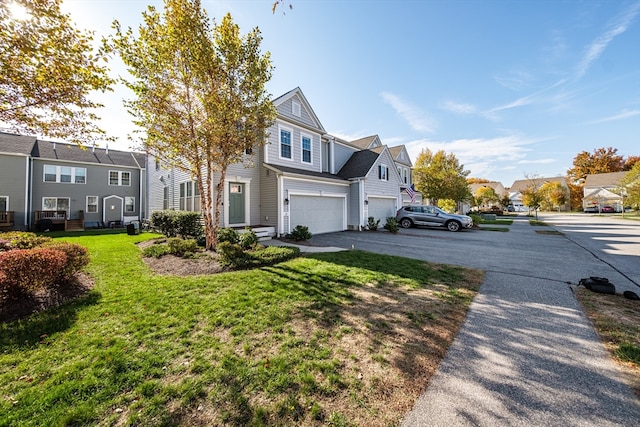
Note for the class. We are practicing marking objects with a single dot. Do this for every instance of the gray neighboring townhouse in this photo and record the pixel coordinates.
(46, 185)
(301, 176)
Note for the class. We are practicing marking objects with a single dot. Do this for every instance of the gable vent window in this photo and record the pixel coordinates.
(295, 109)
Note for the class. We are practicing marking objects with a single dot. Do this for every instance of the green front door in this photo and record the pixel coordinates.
(236, 203)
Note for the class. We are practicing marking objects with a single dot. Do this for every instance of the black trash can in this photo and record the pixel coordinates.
(133, 228)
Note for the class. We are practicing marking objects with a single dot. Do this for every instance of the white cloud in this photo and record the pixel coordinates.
(538, 162)
(459, 108)
(416, 118)
(625, 114)
(618, 26)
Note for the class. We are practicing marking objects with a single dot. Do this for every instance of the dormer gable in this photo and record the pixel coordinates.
(294, 107)
(367, 142)
(400, 155)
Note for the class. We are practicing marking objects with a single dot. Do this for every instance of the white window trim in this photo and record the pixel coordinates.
(124, 206)
(59, 174)
(280, 129)
(384, 177)
(119, 184)
(57, 198)
(96, 204)
(302, 136)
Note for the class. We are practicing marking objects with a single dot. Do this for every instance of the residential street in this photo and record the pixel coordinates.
(526, 355)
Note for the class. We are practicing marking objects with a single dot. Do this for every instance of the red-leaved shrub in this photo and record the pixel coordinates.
(25, 271)
(77, 256)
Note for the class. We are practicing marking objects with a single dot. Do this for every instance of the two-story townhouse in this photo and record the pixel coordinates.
(301, 176)
(62, 185)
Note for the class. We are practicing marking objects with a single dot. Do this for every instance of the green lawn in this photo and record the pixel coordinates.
(344, 338)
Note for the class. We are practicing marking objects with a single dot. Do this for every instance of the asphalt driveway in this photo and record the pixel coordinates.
(526, 355)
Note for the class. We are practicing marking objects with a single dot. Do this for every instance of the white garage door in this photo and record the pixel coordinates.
(381, 208)
(320, 214)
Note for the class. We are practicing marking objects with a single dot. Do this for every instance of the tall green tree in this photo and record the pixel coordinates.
(200, 95)
(440, 176)
(602, 160)
(48, 69)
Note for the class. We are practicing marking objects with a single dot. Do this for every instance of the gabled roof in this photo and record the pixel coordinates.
(497, 187)
(610, 179)
(367, 142)
(522, 184)
(16, 144)
(400, 155)
(297, 93)
(361, 162)
(36, 148)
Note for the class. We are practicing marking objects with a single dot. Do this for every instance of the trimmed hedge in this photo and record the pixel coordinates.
(21, 240)
(178, 223)
(26, 271)
(77, 256)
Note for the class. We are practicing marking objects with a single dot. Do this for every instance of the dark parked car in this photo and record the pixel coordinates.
(432, 216)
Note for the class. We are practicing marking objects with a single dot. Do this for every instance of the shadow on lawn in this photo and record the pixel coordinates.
(29, 331)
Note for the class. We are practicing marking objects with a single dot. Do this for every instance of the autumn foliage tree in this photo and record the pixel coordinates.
(554, 195)
(48, 69)
(440, 176)
(602, 160)
(200, 95)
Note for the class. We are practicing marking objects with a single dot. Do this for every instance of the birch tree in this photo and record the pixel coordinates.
(200, 97)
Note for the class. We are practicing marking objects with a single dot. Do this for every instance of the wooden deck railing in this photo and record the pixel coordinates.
(6, 220)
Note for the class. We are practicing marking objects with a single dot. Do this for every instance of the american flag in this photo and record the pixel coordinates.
(411, 191)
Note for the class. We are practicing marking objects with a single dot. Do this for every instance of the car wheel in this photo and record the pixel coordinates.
(453, 226)
(406, 223)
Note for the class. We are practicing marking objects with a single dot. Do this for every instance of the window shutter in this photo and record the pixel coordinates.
(379, 171)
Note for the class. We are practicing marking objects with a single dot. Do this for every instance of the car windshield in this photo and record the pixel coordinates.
(438, 210)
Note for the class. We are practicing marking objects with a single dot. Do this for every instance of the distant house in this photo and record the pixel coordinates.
(301, 176)
(498, 188)
(603, 189)
(519, 186)
(46, 185)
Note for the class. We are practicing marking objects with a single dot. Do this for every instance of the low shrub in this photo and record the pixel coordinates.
(299, 233)
(26, 271)
(179, 247)
(372, 224)
(274, 254)
(232, 254)
(248, 239)
(21, 240)
(391, 224)
(228, 235)
(156, 251)
(477, 219)
(178, 223)
(77, 256)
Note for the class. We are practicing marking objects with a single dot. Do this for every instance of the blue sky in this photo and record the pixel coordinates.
(513, 88)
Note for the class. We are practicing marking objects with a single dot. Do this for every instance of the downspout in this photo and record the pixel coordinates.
(27, 191)
(332, 162)
(280, 198)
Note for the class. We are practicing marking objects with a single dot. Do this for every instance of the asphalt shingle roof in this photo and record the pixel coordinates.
(360, 163)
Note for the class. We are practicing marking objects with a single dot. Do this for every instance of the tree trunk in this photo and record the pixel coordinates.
(219, 193)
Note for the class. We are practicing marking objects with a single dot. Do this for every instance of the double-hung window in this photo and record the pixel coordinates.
(285, 144)
(92, 204)
(64, 174)
(383, 173)
(129, 204)
(120, 178)
(306, 149)
(189, 196)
